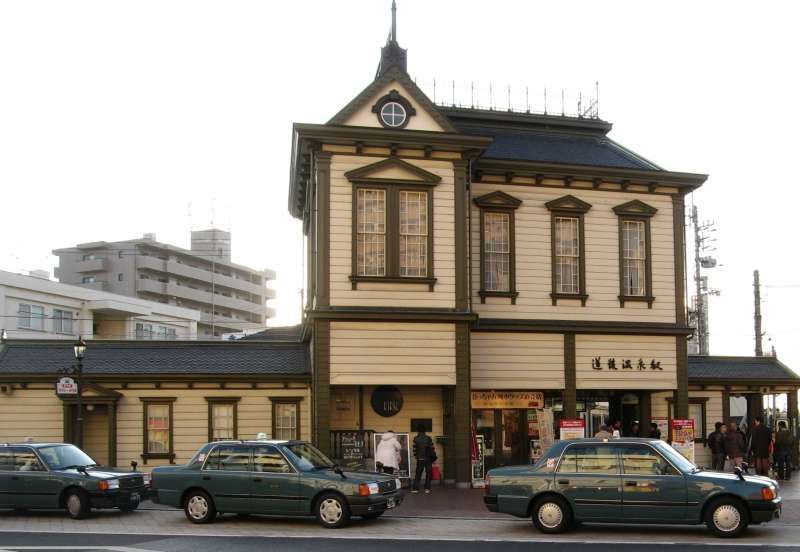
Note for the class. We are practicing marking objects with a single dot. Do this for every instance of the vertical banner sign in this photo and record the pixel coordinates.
(477, 465)
(546, 437)
(683, 438)
(572, 429)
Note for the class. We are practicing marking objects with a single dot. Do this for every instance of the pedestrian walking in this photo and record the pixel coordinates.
(760, 440)
(425, 453)
(654, 433)
(616, 431)
(635, 429)
(733, 443)
(715, 442)
(784, 445)
(387, 453)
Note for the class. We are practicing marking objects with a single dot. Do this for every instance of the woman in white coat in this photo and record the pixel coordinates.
(387, 453)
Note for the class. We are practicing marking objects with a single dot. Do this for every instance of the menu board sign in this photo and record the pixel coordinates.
(477, 464)
(572, 429)
(683, 438)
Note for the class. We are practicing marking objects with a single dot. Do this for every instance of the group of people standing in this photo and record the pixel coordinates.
(762, 446)
(388, 456)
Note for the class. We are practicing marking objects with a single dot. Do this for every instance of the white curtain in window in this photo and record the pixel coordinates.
(371, 232)
(567, 261)
(497, 251)
(634, 257)
(413, 233)
(158, 428)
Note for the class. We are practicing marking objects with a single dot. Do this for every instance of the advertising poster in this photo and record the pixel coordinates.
(478, 470)
(386, 446)
(546, 437)
(683, 438)
(572, 429)
(662, 422)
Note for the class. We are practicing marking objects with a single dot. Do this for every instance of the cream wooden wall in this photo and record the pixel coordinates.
(34, 413)
(533, 257)
(713, 414)
(341, 235)
(516, 360)
(397, 353)
(625, 347)
(365, 117)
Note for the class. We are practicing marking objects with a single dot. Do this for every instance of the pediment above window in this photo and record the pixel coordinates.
(497, 199)
(569, 204)
(393, 170)
(635, 208)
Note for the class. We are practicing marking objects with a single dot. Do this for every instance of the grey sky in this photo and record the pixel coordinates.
(115, 115)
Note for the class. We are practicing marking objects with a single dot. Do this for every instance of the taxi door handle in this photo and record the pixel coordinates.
(14, 478)
(630, 483)
(206, 478)
(257, 479)
(563, 481)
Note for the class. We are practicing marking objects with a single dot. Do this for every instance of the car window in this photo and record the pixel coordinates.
(269, 460)
(26, 460)
(640, 460)
(6, 459)
(590, 460)
(229, 458)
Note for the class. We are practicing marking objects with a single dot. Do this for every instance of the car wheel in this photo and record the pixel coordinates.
(199, 507)
(77, 504)
(551, 514)
(727, 517)
(332, 511)
(372, 515)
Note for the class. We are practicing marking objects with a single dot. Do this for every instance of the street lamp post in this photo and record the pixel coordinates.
(79, 348)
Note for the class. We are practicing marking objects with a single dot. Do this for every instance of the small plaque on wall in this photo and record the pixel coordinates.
(426, 423)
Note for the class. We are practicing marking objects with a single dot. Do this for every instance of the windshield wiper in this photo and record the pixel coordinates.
(79, 467)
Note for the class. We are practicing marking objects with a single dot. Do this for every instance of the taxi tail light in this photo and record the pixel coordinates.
(103, 485)
(363, 489)
(768, 493)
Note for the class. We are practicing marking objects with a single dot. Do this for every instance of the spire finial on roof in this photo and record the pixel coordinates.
(392, 54)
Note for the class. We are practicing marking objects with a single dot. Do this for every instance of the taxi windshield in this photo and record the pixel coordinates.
(61, 457)
(677, 459)
(307, 457)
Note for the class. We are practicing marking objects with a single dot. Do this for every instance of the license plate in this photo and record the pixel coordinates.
(135, 498)
(389, 503)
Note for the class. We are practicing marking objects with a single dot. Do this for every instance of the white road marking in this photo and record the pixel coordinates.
(100, 547)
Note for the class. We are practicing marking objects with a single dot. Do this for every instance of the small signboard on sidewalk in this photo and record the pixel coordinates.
(66, 386)
(683, 438)
(572, 429)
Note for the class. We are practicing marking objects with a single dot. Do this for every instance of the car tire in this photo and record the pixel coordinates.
(199, 507)
(332, 511)
(76, 503)
(551, 514)
(727, 518)
(372, 515)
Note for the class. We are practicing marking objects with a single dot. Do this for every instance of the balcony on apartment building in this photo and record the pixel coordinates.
(199, 296)
(91, 265)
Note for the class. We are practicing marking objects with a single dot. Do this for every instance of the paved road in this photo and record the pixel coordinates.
(13, 542)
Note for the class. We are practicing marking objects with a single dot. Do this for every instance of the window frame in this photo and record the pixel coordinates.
(636, 211)
(214, 401)
(577, 446)
(146, 403)
(568, 207)
(58, 320)
(502, 203)
(644, 446)
(286, 400)
(392, 235)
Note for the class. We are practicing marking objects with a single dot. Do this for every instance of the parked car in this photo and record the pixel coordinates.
(287, 478)
(629, 481)
(59, 475)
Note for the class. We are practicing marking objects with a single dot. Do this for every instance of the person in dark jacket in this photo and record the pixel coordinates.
(784, 445)
(733, 443)
(425, 453)
(760, 440)
(654, 433)
(715, 444)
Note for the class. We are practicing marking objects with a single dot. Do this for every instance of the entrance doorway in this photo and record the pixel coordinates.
(605, 408)
(506, 436)
(99, 428)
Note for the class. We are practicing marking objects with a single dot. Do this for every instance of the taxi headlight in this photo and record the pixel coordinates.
(108, 485)
(768, 493)
(398, 484)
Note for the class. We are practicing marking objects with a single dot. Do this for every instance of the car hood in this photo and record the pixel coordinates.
(105, 473)
(729, 477)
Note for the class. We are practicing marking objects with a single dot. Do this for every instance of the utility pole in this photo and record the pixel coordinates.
(699, 303)
(757, 313)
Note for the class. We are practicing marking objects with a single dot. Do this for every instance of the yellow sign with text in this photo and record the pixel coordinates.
(507, 399)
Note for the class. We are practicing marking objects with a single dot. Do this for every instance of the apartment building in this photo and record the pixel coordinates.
(35, 307)
(229, 297)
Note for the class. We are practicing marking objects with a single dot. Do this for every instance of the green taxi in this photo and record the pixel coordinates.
(286, 478)
(58, 475)
(629, 481)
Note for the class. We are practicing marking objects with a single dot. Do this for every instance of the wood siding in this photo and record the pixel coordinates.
(533, 258)
(378, 353)
(517, 360)
(34, 413)
(620, 348)
(371, 294)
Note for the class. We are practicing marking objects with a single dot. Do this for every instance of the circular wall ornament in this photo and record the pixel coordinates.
(393, 114)
(387, 400)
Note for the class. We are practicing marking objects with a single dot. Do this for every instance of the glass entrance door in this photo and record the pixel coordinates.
(515, 448)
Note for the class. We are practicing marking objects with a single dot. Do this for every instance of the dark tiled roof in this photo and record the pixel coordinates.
(282, 333)
(573, 149)
(158, 358)
(739, 368)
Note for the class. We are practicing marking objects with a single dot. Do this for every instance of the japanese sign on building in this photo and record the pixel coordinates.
(507, 399)
(66, 386)
(599, 363)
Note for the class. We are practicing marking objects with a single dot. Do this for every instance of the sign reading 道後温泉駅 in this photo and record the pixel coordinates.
(66, 386)
(507, 399)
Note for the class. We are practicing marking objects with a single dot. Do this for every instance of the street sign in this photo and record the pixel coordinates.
(66, 386)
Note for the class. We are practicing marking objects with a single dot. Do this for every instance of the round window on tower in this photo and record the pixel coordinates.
(393, 114)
